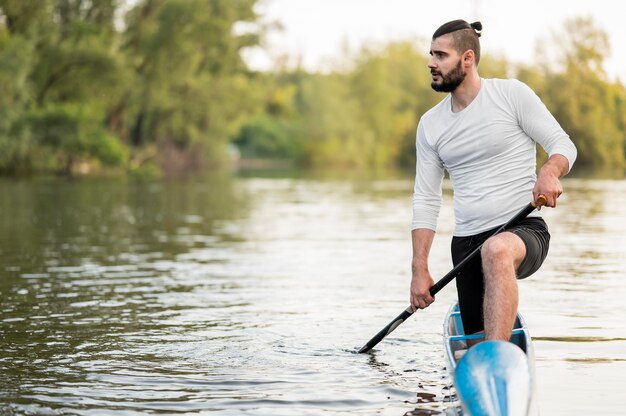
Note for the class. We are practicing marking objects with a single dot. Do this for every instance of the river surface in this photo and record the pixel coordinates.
(249, 295)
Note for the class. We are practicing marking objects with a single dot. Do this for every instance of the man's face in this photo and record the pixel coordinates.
(445, 65)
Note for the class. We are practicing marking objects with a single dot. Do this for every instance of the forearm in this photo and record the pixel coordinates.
(556, 166)
(422, 239)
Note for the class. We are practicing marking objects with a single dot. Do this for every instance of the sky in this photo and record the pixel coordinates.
(315, 32)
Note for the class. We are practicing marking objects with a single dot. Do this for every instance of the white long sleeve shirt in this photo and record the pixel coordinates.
(489, 151)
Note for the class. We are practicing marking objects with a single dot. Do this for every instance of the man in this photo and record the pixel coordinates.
(484, 134)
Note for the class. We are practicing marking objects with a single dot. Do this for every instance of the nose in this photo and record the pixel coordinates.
(431, 62)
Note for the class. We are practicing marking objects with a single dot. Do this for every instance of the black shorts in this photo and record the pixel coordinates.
(469, 282)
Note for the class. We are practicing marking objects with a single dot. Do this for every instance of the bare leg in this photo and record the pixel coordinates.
(501, 256)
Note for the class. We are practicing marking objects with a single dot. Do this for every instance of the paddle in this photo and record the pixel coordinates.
(541, 200)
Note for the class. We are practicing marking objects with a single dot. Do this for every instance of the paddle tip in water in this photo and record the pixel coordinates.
(364, 348)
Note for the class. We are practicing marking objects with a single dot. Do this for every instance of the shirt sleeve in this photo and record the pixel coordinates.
(538, 123)
(427, 193)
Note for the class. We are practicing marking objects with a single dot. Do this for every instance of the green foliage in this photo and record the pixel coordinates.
(171, 76)
(15, 139)
(191, 86)
(365, 117)
(494, 67)
(392, 88)
(328, 127)
(265, 137)
(161, 84)
(74, 133)
(589, 107)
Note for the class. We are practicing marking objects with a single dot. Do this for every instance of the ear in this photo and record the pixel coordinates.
(468, 57)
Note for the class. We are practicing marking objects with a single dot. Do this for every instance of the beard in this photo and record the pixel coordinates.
(449, 81)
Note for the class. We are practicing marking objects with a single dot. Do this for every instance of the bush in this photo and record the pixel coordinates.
(265, 137)
(76, 133)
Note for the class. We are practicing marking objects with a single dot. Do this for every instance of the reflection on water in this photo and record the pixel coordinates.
(230, 295)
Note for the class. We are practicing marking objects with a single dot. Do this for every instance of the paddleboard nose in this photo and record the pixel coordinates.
(493, 378)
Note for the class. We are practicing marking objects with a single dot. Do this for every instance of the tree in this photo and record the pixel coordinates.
(191, 87)
(16, 55)
(67, 60)
(580, 96)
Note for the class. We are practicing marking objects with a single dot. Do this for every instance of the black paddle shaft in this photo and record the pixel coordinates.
(541, 200)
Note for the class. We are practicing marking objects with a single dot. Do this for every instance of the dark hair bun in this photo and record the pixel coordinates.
(478, 27)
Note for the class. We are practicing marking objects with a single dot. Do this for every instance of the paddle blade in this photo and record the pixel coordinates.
(386, 330)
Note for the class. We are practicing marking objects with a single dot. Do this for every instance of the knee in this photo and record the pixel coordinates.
(496, 249)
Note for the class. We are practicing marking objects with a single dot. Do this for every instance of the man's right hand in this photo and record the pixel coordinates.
(421, 282)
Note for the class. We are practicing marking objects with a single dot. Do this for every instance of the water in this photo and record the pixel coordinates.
(249, 295)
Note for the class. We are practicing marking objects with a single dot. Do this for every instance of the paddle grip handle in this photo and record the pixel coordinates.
(540, 201)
